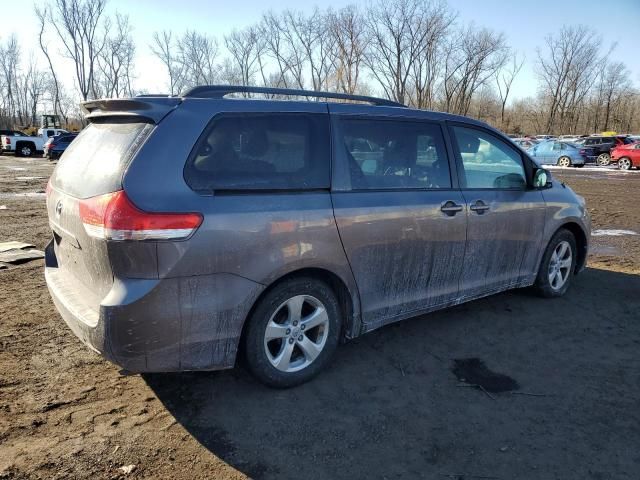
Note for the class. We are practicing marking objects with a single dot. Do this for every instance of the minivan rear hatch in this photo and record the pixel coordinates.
(92, 166)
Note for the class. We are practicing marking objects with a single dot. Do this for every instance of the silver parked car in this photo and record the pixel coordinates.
(186, 229)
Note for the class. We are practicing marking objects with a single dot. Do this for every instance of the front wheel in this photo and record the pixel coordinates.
(624, 163)
(293, 332)
(557, 266)
(603, 159)
(564, 162)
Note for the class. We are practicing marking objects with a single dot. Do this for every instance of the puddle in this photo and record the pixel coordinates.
(612, 233)
(473, 371)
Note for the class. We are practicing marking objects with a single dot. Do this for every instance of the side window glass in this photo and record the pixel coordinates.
(385, 154)
(50, 133)
(262, 151)
(489, 162)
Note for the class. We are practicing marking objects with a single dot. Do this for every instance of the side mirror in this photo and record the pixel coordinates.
(542, 178)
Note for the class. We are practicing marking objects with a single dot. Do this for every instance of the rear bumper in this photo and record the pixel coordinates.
(160, 325)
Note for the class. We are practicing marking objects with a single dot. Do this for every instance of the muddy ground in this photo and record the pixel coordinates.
(389, 406)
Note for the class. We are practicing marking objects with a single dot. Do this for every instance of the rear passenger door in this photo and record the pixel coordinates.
(399, 213)
(505, 216)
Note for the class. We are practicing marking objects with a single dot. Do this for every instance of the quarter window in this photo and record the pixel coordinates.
(261, 152)
(488, 162)
(386, 154)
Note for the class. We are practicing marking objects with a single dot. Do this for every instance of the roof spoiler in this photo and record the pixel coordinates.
(147, 108)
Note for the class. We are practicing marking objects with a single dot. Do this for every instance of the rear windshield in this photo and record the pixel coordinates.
(94, 162)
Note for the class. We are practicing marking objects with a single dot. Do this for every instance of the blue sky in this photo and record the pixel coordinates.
(524, 24)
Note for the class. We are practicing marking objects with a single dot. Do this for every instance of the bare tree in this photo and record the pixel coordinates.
(163, 47)
(396, 36)
(245, 48)
(348, 30)
(615, 86)
(437, 21)
(472, 58)
(567, 70)
(197, 55)
(76, 23)
(9, 69)
(42, 15)
(115, 62)
(504, 80)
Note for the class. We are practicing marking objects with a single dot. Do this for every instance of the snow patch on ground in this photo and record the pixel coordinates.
(612, 233)
(23, 195)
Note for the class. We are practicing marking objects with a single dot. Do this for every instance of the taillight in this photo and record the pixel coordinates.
(114, 217)
(7, 140)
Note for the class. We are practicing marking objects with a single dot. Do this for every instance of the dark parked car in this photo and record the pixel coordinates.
(56, 146)
(186, 229)
(598, 148)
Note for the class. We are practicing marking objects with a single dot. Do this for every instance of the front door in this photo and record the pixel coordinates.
(505, 216)
(401, 221)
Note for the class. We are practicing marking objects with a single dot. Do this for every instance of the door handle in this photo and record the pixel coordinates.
(450, 208)
(479, 207)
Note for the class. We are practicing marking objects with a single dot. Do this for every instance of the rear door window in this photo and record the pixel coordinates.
(398, 154)
(95, 161)
(255, 151)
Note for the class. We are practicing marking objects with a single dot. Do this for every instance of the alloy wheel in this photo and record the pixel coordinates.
(603, 159)
(564, 162)
(560, 265)
(624, 164)
(25, 151)
(296, 333)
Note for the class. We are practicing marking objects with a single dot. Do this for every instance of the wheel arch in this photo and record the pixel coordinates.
(23, 143)
(581, 242)
(347, 299)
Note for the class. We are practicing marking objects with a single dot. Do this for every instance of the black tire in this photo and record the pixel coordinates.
(254, 339)
(579, 166)
(29, 149)
(543, 285)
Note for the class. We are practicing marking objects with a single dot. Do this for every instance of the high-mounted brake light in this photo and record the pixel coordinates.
(114, 217)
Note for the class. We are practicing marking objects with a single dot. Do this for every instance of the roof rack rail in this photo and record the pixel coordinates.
(220, 91)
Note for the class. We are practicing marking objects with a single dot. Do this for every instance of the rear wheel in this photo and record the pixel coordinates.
(564, 161)
(24, 150)
(603, 159)
(624, 163)
(558, 265)
(293, 332)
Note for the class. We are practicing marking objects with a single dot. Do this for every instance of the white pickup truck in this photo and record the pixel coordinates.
(25, 146)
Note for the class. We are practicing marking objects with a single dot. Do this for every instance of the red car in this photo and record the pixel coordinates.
(627, 156)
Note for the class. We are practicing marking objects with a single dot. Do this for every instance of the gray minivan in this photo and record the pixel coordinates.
(187, 229)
